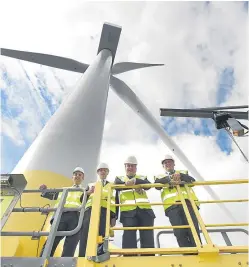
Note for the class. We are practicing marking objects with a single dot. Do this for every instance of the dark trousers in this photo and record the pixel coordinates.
(85, 229)
(140, 218)
(68, 222)
(177, 217)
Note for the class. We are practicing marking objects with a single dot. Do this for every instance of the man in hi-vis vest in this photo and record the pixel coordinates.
(69, 219)
(102, 171)
(175, 212)
(136, 215)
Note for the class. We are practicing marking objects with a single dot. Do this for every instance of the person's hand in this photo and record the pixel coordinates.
(91, 190)
(176, 177)
(139, 191)
(43, 187)
(113, 222)
(130, 182)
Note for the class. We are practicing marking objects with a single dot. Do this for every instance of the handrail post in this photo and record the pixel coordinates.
(189, 219)
(200, 221)
(55, 224)
(92, 241)
(108, 214)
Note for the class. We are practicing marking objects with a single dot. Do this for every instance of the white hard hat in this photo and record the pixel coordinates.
(131, 160)
(78, 169)
(167, 157)
(102, 165)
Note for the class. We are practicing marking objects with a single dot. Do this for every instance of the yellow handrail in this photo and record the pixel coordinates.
(199, 247)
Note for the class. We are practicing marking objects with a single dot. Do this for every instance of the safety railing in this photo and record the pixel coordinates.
(56, 219)
(209, 247)
(223, 233)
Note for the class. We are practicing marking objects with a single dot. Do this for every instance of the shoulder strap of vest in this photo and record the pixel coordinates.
(182, 171)
(142, 177)
(121, 178)
(159, 176)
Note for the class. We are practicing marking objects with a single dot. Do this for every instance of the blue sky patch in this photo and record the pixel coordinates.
(225, 86)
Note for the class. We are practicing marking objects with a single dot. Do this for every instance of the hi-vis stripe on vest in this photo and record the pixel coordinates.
(104, 197)
(170, 195)
(72, 201)
(130, 196)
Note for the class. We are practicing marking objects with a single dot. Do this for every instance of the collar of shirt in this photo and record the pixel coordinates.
(170, 173)
(103, 182)
(130, 177)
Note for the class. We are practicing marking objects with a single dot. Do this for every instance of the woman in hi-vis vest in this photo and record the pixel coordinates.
(175, 213)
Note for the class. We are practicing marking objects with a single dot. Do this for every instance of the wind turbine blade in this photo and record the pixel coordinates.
(132, 100)
(128, 66)
(47, 60)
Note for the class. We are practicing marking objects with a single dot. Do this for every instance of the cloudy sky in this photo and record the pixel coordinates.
(203, 46)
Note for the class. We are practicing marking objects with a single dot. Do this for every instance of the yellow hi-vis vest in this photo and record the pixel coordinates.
(105, 190)
(72, 201)
(130, 196)
(170, 195)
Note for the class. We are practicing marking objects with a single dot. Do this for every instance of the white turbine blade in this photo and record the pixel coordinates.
(128, 66)
(130, 98)
(47, 60)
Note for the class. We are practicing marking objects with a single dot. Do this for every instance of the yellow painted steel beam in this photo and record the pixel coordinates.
(178, 203)
(135, 251)
(108, 213)
(198, 216)
(229, 260)
(189, 219)
(92, 241)
(222, 249)
(226, 224)
(26, 222)
(222, 201)
(150, 227)
(234, 249)
(215, 182)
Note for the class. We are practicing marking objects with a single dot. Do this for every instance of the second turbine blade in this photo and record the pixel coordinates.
(47, 60)
(128, 66)
(132, 100)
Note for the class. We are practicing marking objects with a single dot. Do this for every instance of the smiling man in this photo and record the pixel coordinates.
(136, 215)
(102, 171)
(175, 212)
(69, 219)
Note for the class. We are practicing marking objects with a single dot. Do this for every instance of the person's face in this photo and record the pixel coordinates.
(102, 173)
(130, 169)
(78, 177)
(169, 165)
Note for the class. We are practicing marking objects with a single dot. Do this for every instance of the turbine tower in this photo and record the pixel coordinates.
(73, 135)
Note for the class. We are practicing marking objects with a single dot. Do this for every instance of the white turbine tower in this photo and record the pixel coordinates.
(73, 135)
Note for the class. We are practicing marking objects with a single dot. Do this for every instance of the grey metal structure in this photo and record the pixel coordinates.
(53, 231)
(15, 189)
(222, 116)
(220, 230)
(200, 113)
